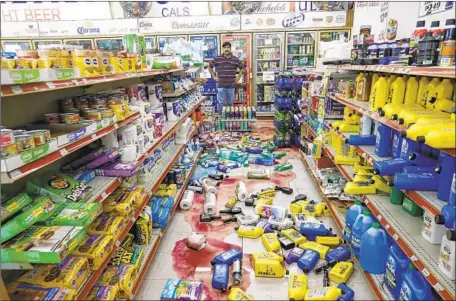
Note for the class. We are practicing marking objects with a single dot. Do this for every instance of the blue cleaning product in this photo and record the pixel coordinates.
(312, 229)
(383, 142)
(227, 257)
(446, 170)
(220, 276)
(415, 286)
(389, 167)
(308, 260)
(397, 144)
(294, 255)
(347, 293)
(340, 253)
(408, 146)
(374, 250)
(422, 160)
(447, 216)
(350, 217)
(426, 150)
(163, 217)
(361, 140)
(416, 181)
(396, 265)
(262, 160)
(419, 169)
(362, 223)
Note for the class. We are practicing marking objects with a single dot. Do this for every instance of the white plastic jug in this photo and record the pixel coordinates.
(431, 231)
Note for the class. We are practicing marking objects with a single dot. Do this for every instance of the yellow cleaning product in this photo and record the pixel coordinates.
(269, 268)
(380, 184)
(347, 160)
(237, 294)
(410, 98)
(396, 93)
(297, 287)
(359, 188)
(269, 192)
(349, 128)
(363, 88)
(294, 236)
(336, 124)
(444, 138)
(443, 90)
(360, 177)
(337, 143)
(330, 241)
(379, 94)
(264, 200)
(430, 91)
(297, 207)
(249, 231)
(311, 245)
(374, 79)
(341, 272)
(390, 81)
(442, 104)
(353, 118)
(331, 293)
(422, 91)
(320, 208)
(267, 255)
(422, 129)
(410, 116)
(271, 242)
(362, 168)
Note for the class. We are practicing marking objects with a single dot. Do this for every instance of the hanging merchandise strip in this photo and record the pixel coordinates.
(447, 72)
(168, 162)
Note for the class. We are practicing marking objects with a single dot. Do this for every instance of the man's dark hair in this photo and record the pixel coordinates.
(226, 44)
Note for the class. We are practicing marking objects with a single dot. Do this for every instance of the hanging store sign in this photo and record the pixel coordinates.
(88, 28)
(189, 24)
(434, 7)
(19, 29)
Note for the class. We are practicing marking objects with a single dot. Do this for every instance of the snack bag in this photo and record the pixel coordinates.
(95, 248)
(107, 225)
(143, 227)
(122, 276)
(119, 202)
(23, 291)
(103, 293)
(75, 214)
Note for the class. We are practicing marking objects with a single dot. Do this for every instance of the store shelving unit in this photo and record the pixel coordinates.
(300, 49)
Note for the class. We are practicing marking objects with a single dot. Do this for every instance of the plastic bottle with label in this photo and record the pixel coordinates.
(414, 286)
(383, 142)
(374, 250)
(448, 45)
(396, 265)
(297, 287)
(379, 94)
(350, 217)
(410, 98)
(308, 260)
(362, 223)
(447, 254)
(323, 293)
(431, 231)
(363, 85)
(414, 181)
(446, 170)
(396, 95)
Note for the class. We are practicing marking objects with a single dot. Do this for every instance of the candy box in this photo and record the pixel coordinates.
(107, 225)
(38, 211)
(70, 273)
(93, 155)
(182, 290)
(75, 214)
(118, 169)
(108, 156)
(103, 293)
(82, 176)
(96, 248)
(23, 291)
(42, 244)
(12, 206)
(123, 276)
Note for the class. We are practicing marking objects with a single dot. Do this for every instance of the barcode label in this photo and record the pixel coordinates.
(16, 89)
(15, 173)
(425, 272)
(116, 126)
(413, 258)
(395, 236)
(94, 136)
(63, 152)
(50, 85)
(438, 287)
(117, 243)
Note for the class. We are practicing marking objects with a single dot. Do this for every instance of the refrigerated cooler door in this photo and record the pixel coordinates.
(109, 44)
(241, 48)
(38, 43)
(267, 59)
(85, 43)
(300, 50)
(210, 45)
(14, 45)
(150, 43)
(168, 40)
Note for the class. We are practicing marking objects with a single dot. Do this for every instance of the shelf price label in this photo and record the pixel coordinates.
(268, 76)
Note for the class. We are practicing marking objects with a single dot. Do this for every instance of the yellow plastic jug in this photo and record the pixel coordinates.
(379, 95)
(270, 192)
(267, 255)
(250, 231)
(297, 207)
(434, 119)
(421, 94)
(330, 241)
(442, 104)
(422, 129)
(331, 293)
(308, 210)
(358, 188)
(320, 208)
(269, 268)
(297, 286)
(349, 128)
(444, 89)
(410, 117)
(337, 143)
(237, 294)
(381, 184)
(361, 178)
(263, 201)
(271, 242)
(294, 236)
(341, 272)
(311, 245)
(397, 91)
(430, 90)
(409, 99)
(443, 138)
(336, 124)
(374, 79)
(347, 160)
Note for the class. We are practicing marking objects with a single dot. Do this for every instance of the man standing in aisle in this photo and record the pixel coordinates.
(226, 65)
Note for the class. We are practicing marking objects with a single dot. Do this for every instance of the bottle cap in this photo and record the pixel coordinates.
(376, 225)
(366, 212)
(358, 202)
(412, 266)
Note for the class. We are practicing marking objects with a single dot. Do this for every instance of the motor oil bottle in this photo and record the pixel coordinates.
(447, 255)
(362, 223)
(361, 140)
(409, 117)
(286, 243)
(237, 294)
(346, 159)
(443, 138)
(396, 265)
(271, 242)
(269, 268)
(227, 257)
(249, 231)
(220, 276)
(363, 84)
(374, 250)
(294, 255)
(311, 229)
(297, 206)
(419, 169)
(446, 170)
(422, 129)
(267, 255)
(379, 94)
(396, 95)
(294, 236)
(319, 208)
(430, 91)
(412, 181)
(347, 293)
(311, 245)
(309, 210)
(380, 184)
(341, 272)
(415, 286)
(340, 253)
(323, 293)
(444, 89)
(266, 211)
(350, 217)
(308, 260)
(330, 241)
(349, 128)
(431, 231)
(361, 187)
(410, 98)
(419, 159)
(263, 201)
(297, 287)
(374, 79)
(442, 104)
(383, 142)
(439, 117)
(390, 80)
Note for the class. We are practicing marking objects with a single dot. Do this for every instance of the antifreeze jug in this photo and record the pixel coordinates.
(311, 229)
(383, 142)
(415, 286)
(350, 217)
(374, 250)
(415, 181)
(308, 260)
(396, 265)
(361, 140)
(362, 223)
(446, 170)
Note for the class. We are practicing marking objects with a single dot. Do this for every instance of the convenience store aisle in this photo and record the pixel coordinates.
(174, 260)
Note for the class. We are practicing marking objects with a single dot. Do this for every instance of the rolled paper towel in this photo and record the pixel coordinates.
(210, 203)
(241, 191)
(187, 201)
(208, 185)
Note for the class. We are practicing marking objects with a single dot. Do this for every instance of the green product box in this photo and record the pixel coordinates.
(13, 206)
(42, 244)
(396, 196)
(411, 208)
(38, 211)
(75, 214)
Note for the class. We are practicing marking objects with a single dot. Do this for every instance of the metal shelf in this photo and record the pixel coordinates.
(303, 54)
(300, 44)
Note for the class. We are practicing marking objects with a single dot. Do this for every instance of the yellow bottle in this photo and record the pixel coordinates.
(311, 245)
(320, 208)
(444, 138)
(422, 129)
(397, 91)
(444, 89)
(297, 207)
(453, 116)
(297, 286)
(409, 97)
(363, 87)
(250, 231)
(357, 85)
(442, 104)
(410, 117)
(270, 192)
(381, 184)
(434, 119)
(337, 143)
(263, 201)
(271, 242)
(430, 90)
(421, 93)
(330, 241)
(294, 236)
(341, 272)
(379, 95)
(361, 178)
(362, 168)
(390, 81)
(358, 188)
(323, 293)
(269, 268)
(374, 79)
(336, 124)
(346, 160)
(237, 294)
(349, 128)
(411, 91)
(267, 255)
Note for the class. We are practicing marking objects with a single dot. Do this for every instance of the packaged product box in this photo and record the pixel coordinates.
(71, 273)
(120, 202)
(103, 293)
(118, 169)
(42, 244)
(107, 225)
(143, 227)
(75, 214)
(91, 156)
(67, 133)
(41, 209)
(23, 291)
(124, 276)
(14, 205)
(176, 289)
(96, 248)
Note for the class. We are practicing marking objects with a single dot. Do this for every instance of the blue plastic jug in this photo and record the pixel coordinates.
(390, 167)
(396, 265)
(311, 229)
(374, 250)
(227, 257)
(426, 150)
(383, 142)
(350, 217)
(308, 260)
(422, 160)
(361, 140)
(340, 253)
(408, 146)
(362, 223)
(415, 286)
(220, 276)
(447, 216)
(417, 181)
(397, 144)
(446, 169)
(418, 169)
(347, 293)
